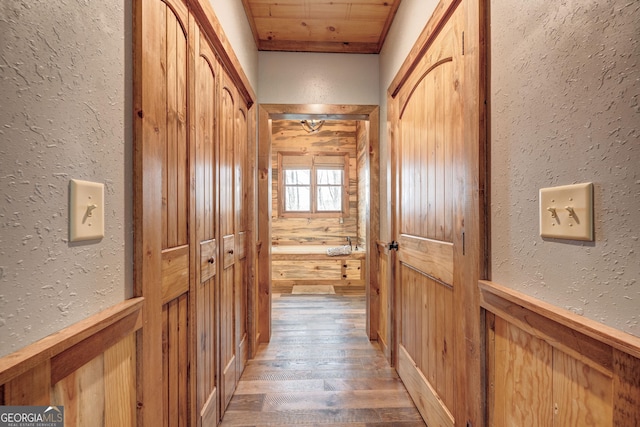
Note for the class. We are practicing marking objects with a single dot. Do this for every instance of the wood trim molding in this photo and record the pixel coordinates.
(319, 47)
(102, 324)
(507, 302)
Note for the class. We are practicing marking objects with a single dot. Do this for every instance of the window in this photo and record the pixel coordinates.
(313, 184)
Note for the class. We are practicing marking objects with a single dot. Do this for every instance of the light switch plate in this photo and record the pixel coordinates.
(86, 210)
(566, 212)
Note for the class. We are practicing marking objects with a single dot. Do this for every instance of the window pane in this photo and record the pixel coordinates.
(297, 177)
(329, 176)
(297, 199)
(330, 198)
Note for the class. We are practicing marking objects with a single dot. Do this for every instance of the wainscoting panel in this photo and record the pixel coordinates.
(546, 366)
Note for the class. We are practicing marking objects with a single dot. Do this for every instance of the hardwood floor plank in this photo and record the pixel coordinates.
(320, 369)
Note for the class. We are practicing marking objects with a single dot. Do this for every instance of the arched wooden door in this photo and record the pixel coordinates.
(428, 156)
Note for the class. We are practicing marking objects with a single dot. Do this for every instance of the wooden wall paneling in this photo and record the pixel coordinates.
(119, 383)
(32, 356)
(88, 368)
(264, 185)
(83, 392)
(626, 389)
(384, 318)
(90, 393)
(523, 378)
(31, 387)
(373, 224)
(490, 367)
(67, 361)
(548, 366)
(362, 181)
(334, 136)
(582, 395)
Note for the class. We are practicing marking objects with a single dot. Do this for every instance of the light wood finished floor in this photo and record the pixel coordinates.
(320, 369)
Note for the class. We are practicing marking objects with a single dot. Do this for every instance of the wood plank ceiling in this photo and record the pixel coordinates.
(345, 26)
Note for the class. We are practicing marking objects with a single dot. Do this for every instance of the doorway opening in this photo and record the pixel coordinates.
(335, 168)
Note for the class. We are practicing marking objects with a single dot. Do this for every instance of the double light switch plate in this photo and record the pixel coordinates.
(566, 212)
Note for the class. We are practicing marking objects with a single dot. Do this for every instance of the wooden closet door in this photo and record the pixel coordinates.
(228, 236)
(428, 156)
(174, 143)
(206, 140)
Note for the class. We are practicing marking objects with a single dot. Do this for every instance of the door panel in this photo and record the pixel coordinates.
(427, 153)
(207, 389)
(175, 215)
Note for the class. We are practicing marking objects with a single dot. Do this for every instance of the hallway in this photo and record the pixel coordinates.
(320, 369)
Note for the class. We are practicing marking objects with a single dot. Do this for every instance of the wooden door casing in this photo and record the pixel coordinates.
(428, 150)
(241, 208)
(228, 339)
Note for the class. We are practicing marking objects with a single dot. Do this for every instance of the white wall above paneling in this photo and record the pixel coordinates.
(318, 78)
(65, 86)
(236, 28)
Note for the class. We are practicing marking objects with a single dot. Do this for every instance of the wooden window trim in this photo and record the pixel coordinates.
(313, 213)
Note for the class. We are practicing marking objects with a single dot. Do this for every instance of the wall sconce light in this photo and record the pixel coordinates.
(311, 126)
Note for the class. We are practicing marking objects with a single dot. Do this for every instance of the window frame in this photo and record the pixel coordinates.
(315, 163)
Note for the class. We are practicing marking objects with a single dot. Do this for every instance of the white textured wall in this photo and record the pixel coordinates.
(565, 108)
(317, 78)
(236, 28)
(411, 18)
(65, 85)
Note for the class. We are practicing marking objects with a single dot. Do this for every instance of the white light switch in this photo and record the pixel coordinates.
(566, 212)
(86, 210)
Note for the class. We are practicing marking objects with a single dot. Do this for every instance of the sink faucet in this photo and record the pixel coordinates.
(349, 240)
